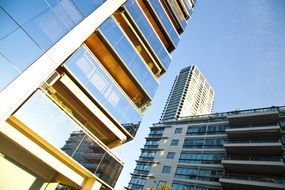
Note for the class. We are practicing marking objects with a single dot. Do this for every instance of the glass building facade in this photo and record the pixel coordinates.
(241, 149)
(75, 78)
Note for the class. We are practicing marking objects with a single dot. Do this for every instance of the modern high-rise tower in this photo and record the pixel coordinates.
(235, 150)
(75, 77)
(191, 94)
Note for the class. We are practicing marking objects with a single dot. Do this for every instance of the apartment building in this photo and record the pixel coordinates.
(191, 94)
(242, 149)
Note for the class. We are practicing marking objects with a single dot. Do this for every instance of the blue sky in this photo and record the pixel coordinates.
(239, 46)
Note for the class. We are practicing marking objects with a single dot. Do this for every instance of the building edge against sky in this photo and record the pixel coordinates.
(191, 94)
(75, 79)
(241, 149)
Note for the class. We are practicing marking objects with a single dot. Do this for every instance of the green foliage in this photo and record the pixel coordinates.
(164, 187)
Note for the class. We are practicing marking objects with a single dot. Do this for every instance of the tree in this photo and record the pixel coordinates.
(164, 187)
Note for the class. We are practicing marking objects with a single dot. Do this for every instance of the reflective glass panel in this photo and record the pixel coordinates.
(23, 11)
(115, 36)
(178, 13)
(8, 22)
(19, 42)
(7, 73)
(50, 122)
(87, 7)
(51, 25)
(163, 17)
(148, 32)
(84, 67)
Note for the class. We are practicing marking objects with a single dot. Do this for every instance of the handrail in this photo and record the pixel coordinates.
(266, 179)
(255, 158)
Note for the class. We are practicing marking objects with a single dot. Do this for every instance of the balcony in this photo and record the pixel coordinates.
(86, 85)
(175, 13)
(254, 116)
(120, 58)
(51, 126)
(238, 182)
(254, 131)
(161, 23)
(254, 147)
(187, 8)
(271, 165)
(136, 15)
(137, 40)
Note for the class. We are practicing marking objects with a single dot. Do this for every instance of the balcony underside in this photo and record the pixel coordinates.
(256, 167)
(254, 132)
(254, 149)
(254, 118)
(236, 184)
(98, 128)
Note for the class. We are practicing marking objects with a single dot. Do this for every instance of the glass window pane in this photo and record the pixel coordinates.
(41, 115)
(46, 29)
(8, 22)
(7, 73)
(137, 15)
(68, 13)
(23, 11)
(27, 50)
(124, 49)
(168, 26)
(51, 123)
(100, 85)
(87, 7)
(166, 169)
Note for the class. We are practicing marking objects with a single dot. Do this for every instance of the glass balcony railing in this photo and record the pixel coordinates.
(51, 123)
(99, 84)
(252, 141)
(134, 10)
(141, 158)
(188, 6)
(164, 19)
(252, 126)
(151, 146)
(124, 49)
(250, 111)
(266, 179)
(178, 13)
(255, 158)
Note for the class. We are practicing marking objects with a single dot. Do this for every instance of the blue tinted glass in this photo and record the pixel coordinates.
(8, 22)
(46, 29)
(138, 16)
(7, 73)
(68, 13)
(23, 11)
(91, 75)
(129, 55)
(50, 122)
(169, 28)
(188, 6)
(144, 75)
(178, 14)
(43, 116)
(26, 50)
(118, 40)
(51, 25)
(88, 6)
